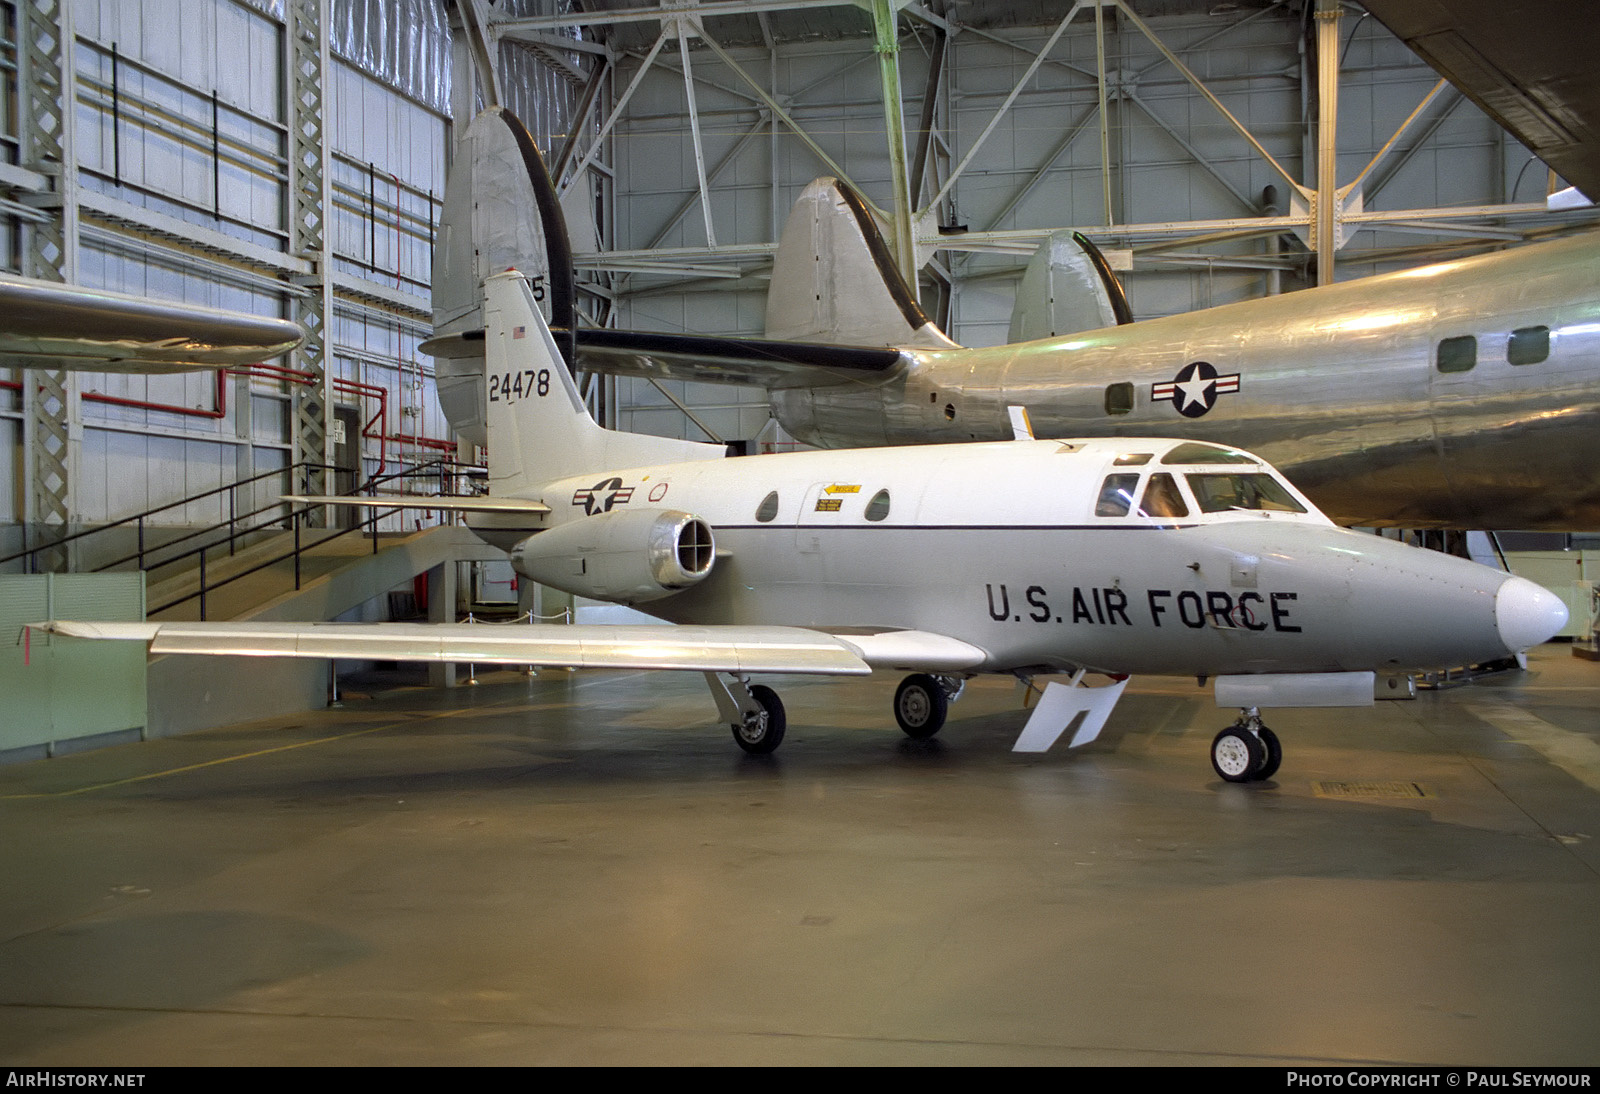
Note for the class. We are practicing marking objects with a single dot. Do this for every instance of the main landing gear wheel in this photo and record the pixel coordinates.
(761, 733)
(920, 706)
(1237, 755)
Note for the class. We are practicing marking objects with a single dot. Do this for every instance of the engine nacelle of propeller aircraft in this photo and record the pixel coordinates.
(627, 555)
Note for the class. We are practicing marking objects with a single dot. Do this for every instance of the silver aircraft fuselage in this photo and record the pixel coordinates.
(1464, 394)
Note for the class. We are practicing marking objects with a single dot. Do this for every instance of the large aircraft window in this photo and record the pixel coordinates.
(878, 507)
(1116, 495)
(1458, 354)
(1222, 493)
(1132, 459)
(1119, 398)
(768, 508)
(1528, 345)
(1162, 498)
(1205, 453)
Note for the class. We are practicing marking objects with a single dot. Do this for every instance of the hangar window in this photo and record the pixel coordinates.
(1162, 498)
(1458, 354)
(1528, 345)
(878, 507)
(768, 508)
(1116, 495)
(1119, 398)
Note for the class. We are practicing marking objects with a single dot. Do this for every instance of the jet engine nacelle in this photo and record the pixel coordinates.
(627, 555)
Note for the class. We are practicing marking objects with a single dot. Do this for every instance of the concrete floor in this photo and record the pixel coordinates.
(582, 869)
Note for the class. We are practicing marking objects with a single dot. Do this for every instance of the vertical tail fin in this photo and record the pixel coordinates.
(539, 428)
(834, 281)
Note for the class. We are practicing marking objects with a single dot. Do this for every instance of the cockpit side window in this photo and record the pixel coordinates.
(1231, 491)
(1116, 496)
(1162, 498)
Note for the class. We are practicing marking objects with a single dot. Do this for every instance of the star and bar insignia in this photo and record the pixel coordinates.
(602, 496)
(1195, 389)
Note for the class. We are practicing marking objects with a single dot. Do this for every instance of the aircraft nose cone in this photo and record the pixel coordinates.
(1527, 614)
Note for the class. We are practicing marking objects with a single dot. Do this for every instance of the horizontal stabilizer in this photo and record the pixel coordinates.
(425, 501)
(582, 646)
(705, 359)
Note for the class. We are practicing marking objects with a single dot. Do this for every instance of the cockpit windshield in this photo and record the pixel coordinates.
(1223, 492)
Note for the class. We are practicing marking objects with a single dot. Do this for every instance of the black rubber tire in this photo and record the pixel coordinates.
(920, 706)
(768, 735)
(1236, 755)
(1272, 755)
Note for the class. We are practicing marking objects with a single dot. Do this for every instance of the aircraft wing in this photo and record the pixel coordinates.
(738, 649)
(51, 325)
(424, 501)
(756, 361)
(1530, 66)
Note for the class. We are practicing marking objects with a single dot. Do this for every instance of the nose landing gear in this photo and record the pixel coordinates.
(1246, 751)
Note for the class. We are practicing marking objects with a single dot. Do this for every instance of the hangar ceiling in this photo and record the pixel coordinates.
(1201, 144)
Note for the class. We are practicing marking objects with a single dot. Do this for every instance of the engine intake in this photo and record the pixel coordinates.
(627, 555)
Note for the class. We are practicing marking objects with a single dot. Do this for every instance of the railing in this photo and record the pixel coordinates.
(297, 514)
(237, 525)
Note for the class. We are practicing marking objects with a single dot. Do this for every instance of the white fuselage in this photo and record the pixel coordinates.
(1000, 545)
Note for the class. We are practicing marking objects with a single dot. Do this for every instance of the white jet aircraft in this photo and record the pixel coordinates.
(1024, 557)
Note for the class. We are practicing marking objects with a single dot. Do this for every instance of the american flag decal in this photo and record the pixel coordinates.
(519, 332)
(1195, 389)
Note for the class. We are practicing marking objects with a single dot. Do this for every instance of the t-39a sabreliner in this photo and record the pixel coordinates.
(1028, 557)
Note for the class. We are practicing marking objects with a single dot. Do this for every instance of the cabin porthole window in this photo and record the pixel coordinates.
(1458, 354)
(1528, 345)
(768, 509)
(878, 507)
(1119, 398)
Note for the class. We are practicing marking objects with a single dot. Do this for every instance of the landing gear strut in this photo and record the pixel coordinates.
(1246, 751)
(753, 711)
(922, 701)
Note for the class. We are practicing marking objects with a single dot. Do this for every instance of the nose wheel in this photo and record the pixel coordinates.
(1246, 751)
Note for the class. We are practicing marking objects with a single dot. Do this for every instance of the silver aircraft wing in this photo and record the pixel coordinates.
(585, 646)
(705, 359)
(738, 649)
(51, 325)
(1529, 65)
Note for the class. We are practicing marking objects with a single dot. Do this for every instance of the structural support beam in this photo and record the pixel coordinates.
(51, 428)
(1326, 209)
(311, 208)
(932, 94)
(977, 145)
(682, 29)
(885, 24)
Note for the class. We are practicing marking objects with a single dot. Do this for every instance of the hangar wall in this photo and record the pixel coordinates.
(179, 156)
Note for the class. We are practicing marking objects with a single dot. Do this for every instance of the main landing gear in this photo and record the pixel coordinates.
(1246, 751)
(922, 701)
(755, 713)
